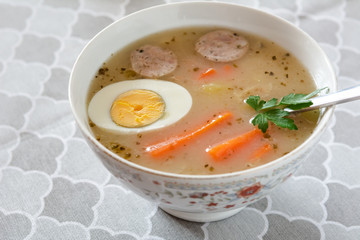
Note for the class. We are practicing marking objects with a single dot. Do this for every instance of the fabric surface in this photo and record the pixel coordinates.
(53, 187)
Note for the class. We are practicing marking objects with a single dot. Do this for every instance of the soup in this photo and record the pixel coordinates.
(197, 121)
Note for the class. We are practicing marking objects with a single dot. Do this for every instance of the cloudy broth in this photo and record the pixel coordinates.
(266, 70)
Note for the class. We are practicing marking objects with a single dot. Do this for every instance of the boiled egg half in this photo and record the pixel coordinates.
(135, 106)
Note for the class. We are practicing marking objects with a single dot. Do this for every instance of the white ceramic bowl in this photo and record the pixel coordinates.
(191, 197)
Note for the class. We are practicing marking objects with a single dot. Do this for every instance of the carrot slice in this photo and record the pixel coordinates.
(261, 151)
(226, 149)
(228, 69)
(171, 143)
(209, 72)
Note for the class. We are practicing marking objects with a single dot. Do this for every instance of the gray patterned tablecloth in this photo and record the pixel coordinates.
(53, 187)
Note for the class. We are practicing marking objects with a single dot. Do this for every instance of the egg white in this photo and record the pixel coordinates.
(178, 102)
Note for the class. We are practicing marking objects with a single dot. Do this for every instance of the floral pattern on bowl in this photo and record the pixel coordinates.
(204, 195)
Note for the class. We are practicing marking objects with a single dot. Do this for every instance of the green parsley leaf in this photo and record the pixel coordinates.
(300, 105)
(262, 122)
(293, 99)
(255, 103)
(275, 112)
(270, 104)
(277, 116)
(285, 123)
(299, 101)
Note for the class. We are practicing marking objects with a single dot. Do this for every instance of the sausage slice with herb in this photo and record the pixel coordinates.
(222, 46)
(153, 61)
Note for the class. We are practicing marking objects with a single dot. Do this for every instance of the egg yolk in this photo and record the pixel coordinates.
(137, 108)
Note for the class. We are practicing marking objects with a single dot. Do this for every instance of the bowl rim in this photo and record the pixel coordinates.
(324, 120)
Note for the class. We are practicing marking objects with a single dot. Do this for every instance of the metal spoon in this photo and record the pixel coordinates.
(346, 95)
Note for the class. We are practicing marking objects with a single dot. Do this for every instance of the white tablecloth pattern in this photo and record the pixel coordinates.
(53, 187)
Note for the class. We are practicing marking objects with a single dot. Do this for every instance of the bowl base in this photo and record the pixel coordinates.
(201, 217)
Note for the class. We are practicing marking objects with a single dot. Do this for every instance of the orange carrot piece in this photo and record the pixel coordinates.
(209, 72)
(228, 68)
(225, 149)
(171, 143)
(261, 151)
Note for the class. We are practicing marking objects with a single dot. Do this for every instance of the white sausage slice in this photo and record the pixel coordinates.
(222, 46)
(153, 61)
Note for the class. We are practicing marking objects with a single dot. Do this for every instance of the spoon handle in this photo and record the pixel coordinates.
(346, 95)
